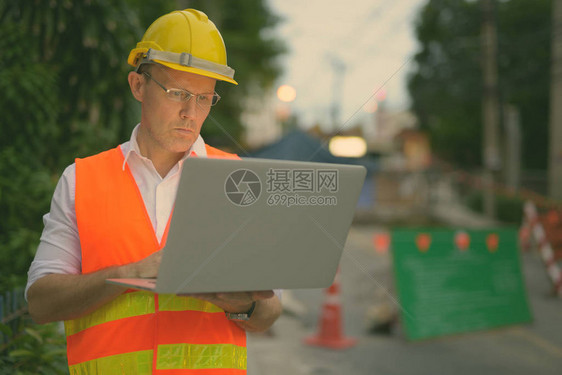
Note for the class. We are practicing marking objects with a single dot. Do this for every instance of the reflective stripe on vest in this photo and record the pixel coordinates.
(189, 356)
(170, 302)
(137, 303)
(173, 356)
(139, 332)
(128, 363)
(124, 306)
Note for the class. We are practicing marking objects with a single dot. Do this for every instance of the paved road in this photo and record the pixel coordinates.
(528, 349)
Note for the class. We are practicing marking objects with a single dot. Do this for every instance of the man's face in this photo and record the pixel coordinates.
(167, 126)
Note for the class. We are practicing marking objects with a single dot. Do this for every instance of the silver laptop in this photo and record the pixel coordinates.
(256, 224)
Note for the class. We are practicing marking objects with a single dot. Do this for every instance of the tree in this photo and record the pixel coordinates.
(62, 82)
(446, 84)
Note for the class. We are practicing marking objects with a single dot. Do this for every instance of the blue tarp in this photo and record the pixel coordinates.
(298, 145)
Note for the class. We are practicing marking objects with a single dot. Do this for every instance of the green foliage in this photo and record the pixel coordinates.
(37, 350)
(25, 190)
(524, 71)
(446, 96)
(25, 83)
(63, 84)
(30, 108)
(446, 85)
(81, 46)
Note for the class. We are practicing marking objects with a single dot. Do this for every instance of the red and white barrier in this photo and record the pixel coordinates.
(532, 230)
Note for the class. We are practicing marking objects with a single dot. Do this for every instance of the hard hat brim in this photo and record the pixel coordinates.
(198, 71)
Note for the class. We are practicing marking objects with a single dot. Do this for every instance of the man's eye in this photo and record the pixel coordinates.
(178, 95)
(204, 99)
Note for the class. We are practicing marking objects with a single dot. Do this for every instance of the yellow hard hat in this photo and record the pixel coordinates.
(184, 40)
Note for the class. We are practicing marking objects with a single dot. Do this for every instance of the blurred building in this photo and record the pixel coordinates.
(380, 133)
(415, 148)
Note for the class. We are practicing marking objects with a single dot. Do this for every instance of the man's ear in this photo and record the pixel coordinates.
(136, 83)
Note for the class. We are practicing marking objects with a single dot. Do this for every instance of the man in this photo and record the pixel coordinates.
(109, 217)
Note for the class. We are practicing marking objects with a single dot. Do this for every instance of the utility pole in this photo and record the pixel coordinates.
(512, 126)
(490, 112)
(555, 126)
(338, 67)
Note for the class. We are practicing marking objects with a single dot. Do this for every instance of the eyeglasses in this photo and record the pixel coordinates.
(181, 95)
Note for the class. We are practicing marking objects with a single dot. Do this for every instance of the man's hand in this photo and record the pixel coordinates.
(144, 268)
(60, 297)
(268, 306)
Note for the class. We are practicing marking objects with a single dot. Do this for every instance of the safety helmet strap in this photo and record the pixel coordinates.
(186, 59)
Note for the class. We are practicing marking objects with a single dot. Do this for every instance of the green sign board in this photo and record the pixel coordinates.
(453, 281)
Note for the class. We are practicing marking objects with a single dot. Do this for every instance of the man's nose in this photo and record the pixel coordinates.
(190, 108)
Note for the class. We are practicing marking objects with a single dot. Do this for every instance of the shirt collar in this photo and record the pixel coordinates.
(196, 150)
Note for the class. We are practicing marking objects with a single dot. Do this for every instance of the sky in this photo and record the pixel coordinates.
(372, 39)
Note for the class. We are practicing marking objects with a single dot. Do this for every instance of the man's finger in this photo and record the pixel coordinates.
(262, 294)
(235, 296)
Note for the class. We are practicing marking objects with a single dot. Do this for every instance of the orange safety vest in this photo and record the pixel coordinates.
(140, 332)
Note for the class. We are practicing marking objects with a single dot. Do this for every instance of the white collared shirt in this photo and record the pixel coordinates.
(59, 250)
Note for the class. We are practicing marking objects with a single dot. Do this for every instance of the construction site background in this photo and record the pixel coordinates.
(396, 196)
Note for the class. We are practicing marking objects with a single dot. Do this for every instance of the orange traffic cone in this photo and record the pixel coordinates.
(330, 333)
(381, 241)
